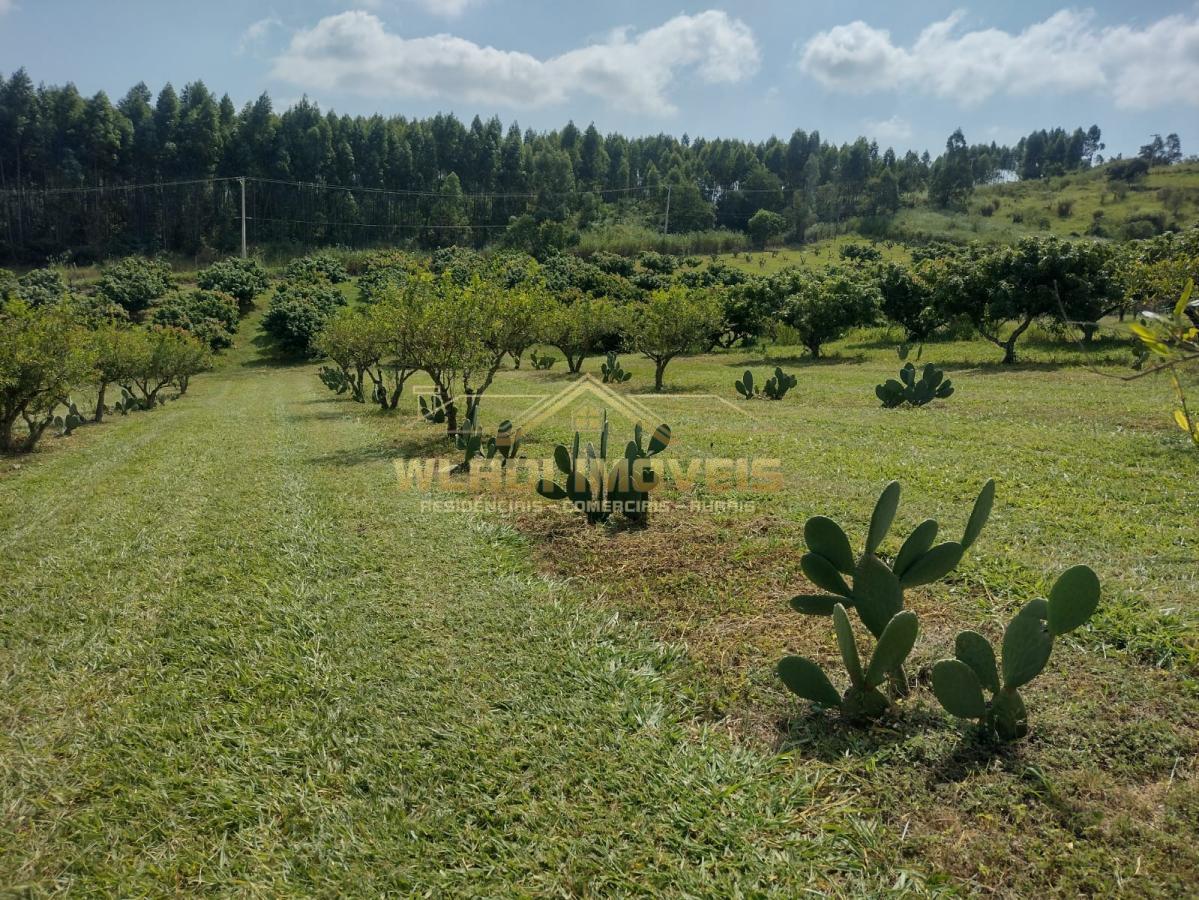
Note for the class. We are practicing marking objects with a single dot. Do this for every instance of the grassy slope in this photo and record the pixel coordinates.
(235, 656)
(1037, 202)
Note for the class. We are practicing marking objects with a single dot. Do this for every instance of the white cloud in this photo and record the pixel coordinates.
(1066, 53)
(450, 9)
(254, 34)
(895, 128)
(354, 53)
(7, 6)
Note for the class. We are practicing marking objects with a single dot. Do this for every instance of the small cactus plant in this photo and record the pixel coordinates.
(776, 387)
(541, 362)
(70, 421)
(931, 385)
(505, 444)
(335, 379)
(877, 587)
(612, 371)
(431, 411)
(599, 489)
(959, 683)
(745, 386)
(126, 404)
(863, 701)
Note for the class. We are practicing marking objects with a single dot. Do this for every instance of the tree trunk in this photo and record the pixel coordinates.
(574, 363)
(7, 444)
(451, 411)
(99, 416)
(1009, 346)
(659, 372)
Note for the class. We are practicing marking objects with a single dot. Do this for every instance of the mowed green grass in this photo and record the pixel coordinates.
(1089, 469)
(237, 657)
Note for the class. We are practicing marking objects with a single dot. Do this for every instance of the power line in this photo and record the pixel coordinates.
(480, 195)
(101, 188)
(370, 224)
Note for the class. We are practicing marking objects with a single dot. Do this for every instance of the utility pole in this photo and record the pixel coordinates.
(666, 224)
(242, 181)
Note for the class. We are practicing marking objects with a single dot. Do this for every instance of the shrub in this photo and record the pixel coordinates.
(318, 266)
(44, 354)
(1144, 225)
(658, 263)
(41, 287)
(209, 315)
(613, 264)
(241, 279)
(298, 312)
(135, 283)
(860, 253)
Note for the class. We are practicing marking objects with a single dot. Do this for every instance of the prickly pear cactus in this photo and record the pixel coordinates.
(776, 387)
(505, 444)
(876, 585)
(432, 410)
(612, 371)
(69, 421)
(862, 701)
(959, 683)
(542, 362)
(335, 379)
(599, 488)
(931, 385)
(745, 386)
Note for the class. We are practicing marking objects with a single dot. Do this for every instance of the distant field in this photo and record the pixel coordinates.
(818, 254)
(1037, 204)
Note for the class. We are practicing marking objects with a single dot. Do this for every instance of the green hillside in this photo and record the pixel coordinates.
(1068, 206)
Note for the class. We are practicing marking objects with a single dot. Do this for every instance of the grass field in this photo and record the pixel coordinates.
(1065, 206)
(237, 657)
(818, 254)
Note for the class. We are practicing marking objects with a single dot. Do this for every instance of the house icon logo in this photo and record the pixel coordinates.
(586, 399)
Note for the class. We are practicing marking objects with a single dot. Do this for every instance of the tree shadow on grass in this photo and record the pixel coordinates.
(802, 360)
(432, 445)
(957, 367)
(271, 355)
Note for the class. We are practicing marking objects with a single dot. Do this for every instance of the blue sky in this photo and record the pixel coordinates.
(906, 74)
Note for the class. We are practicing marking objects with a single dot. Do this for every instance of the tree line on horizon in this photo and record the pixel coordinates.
(52, 137)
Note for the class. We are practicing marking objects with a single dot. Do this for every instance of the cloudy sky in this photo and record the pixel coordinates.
(906, 74)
